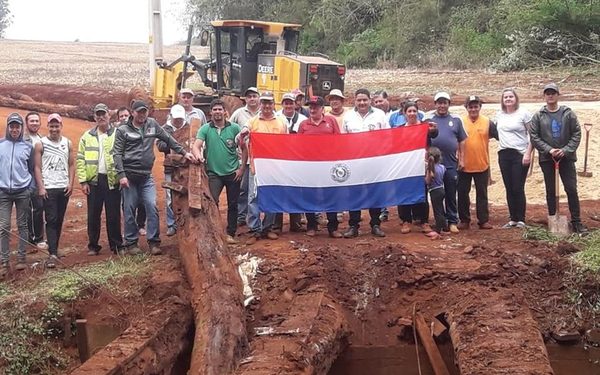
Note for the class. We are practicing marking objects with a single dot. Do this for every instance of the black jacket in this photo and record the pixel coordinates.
(133, 150)
(541, 134)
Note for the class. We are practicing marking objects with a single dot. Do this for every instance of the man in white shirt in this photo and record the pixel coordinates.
(364, 118)
(288, 111)
(241, 116)
(186, 99)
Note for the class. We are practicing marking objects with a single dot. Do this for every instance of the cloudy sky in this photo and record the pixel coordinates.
(92, 20)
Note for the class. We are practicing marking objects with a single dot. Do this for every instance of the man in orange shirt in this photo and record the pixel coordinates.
(265, 122)
(479, 129)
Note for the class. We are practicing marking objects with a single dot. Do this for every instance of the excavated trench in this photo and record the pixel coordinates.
(333, 310)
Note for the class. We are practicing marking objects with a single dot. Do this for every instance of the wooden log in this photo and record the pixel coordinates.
(150, 345)
(311, 338)
(494, 333)
(217, 299)
(433, 353)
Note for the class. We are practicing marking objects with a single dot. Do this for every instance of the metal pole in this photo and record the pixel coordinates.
(155, 38)
(187, 55)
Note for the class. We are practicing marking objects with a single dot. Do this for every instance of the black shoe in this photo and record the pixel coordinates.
(579, 228)
(377, 232)
(351, 232)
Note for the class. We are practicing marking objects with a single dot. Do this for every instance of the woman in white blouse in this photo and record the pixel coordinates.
(514, 155)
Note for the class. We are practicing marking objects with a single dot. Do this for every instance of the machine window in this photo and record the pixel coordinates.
(254, 44)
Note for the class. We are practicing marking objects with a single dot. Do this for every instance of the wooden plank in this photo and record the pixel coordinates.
(433, 353)
(195, 173)
(82, 340)
(303, 312)
(174, 186)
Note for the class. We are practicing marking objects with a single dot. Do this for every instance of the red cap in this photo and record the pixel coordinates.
(316, 100)
(54, 117)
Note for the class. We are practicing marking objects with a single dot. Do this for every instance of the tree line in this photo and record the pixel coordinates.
(498, 34)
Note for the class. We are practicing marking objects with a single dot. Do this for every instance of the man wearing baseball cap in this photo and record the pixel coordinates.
(319, 123)
(293, 119)
(265, 122)
(479, 129)
(175, 122)
(299, 102)
(288, 111)
(556, 133)
(133, 153)
(336, 106)
(98, 178)
(186, 99)
(451, 142)
(16, 158)
(241, 116)
(54, 175)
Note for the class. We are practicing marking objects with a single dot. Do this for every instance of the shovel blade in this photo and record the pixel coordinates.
(559, 225)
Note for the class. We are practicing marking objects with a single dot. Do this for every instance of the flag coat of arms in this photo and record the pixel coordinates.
(346, 172)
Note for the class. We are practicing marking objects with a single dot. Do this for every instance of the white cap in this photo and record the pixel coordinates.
(441, 95)
(177, 111)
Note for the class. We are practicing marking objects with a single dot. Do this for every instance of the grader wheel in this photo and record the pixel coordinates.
(138, 93)
(232, 103)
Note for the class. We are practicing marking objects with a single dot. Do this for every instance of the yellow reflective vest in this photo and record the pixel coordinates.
(88, 155)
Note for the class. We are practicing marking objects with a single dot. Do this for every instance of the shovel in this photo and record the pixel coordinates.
(557, 223)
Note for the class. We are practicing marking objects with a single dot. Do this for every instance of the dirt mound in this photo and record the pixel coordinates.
(75, 101)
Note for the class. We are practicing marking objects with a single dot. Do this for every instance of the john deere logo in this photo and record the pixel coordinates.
(340, 173)
(266, 69)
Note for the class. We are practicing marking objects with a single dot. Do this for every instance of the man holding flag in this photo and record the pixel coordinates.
(318, 123)
(265, 122)
(364, 118)
(332, 173)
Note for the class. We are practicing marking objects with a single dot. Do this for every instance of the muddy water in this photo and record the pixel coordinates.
(402, 359)
(574, 359)
(388, 360)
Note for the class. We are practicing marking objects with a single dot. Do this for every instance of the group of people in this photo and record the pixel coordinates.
(113, 165)
(457, 157)
(38, 182)
(114, 161)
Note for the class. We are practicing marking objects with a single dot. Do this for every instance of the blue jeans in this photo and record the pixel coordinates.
(21, 202)
(243, 198)
(450, 187)
(169, 202)
(141, 189)
(254, 223)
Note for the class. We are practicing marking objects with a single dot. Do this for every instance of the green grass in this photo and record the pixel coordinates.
(28, 336)
(538, 233)
(588, 260)
(65, 286)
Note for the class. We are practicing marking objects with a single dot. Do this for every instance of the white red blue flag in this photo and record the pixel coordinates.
(333, 173)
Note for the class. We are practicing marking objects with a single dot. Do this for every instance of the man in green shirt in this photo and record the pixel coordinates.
(223, 167)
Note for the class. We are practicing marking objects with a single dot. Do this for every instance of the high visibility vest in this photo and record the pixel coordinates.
(89, 153)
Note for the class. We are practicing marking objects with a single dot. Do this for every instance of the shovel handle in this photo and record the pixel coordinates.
(556, 182)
